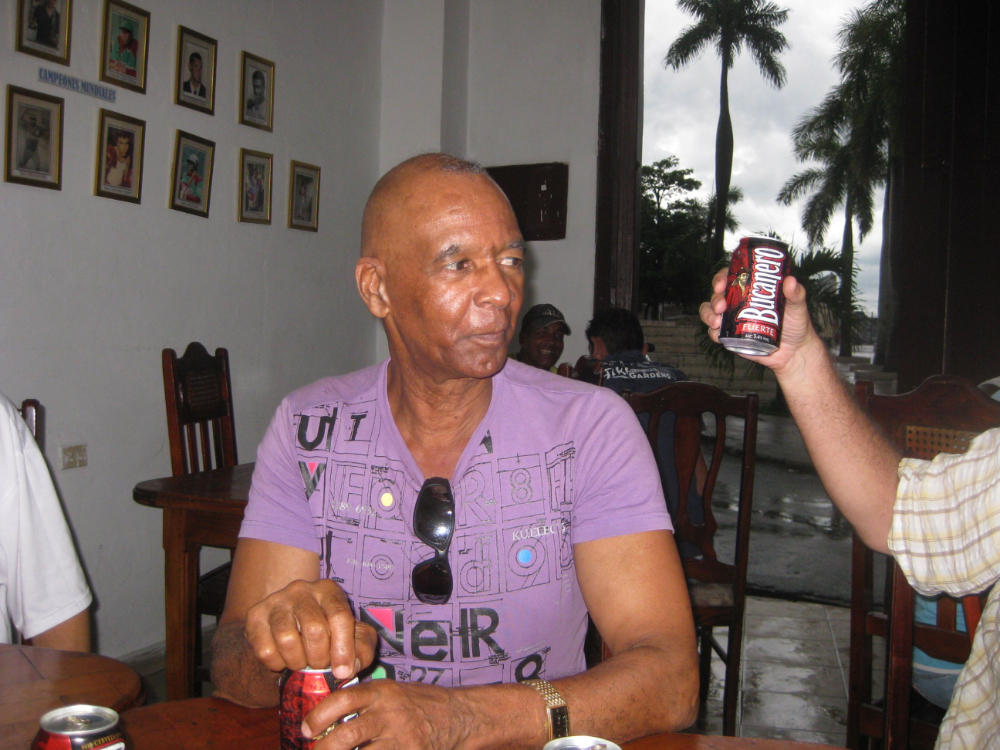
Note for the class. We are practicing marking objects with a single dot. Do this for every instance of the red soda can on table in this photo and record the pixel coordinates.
(755, 302)
(301, 691)
(80, 727)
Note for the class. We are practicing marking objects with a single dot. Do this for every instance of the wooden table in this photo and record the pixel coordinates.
(220, 725)
(36, 680)
(199, 510)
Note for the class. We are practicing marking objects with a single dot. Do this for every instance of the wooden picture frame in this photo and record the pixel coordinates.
(125, 45)
(254, 194)
(194, 85)
(121, 144)
(191, 175)
(257, 92)
(33, 138)
(303, 197)
(45, 29)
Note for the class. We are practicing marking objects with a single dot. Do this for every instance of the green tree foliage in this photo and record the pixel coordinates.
(730, 25)
(674, 227)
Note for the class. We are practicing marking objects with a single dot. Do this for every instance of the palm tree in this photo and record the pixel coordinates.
(729, 25)
(870, 61)
(852, 165)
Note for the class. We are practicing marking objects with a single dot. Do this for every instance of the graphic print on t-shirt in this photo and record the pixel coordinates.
(510, 556)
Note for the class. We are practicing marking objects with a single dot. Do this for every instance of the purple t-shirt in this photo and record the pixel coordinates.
(554, 462)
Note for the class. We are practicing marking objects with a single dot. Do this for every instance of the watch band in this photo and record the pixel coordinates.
(556, 710)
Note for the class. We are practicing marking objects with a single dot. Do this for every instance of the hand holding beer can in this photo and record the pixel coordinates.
(755, 302)
(301, 692)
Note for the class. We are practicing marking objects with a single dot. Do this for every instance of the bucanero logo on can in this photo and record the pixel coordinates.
(754, 300)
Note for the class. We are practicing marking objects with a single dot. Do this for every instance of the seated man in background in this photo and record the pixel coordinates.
(42, 587)
(456, 515)
(541, 338)
(939, 519)
(616, 340)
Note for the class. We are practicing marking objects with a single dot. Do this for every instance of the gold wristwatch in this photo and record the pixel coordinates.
(556, 709)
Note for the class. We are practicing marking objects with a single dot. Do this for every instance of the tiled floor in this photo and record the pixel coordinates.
(795, 658)
(794, 675)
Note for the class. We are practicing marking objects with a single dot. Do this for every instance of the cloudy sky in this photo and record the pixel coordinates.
(682, 110)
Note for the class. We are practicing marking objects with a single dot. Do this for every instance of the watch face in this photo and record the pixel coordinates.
(560, 721)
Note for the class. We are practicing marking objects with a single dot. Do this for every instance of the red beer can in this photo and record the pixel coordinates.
(301, 691)
(80, 727)
(755, 302)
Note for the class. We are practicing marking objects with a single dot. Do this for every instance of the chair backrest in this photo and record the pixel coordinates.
(31, 412)
(199, 403)
(688, 401)
(943, 415)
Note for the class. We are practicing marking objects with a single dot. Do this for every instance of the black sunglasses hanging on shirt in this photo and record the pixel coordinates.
(434, 525)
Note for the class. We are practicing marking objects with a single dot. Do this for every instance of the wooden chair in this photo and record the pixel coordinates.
(199, 404)
(31, 412)
(943, 415)
(718, 589)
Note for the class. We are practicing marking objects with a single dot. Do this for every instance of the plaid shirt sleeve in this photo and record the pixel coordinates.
(946, 521)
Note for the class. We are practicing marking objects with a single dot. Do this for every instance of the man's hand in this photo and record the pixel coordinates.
(398, 715)
(796, 329)
(309, 625)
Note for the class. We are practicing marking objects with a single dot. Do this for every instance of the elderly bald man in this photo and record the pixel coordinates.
(453, 516)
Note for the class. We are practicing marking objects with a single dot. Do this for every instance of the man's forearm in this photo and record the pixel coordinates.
(856, 463)
(237, 674)
(70, 635)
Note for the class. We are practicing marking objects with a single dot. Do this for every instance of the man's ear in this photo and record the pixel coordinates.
(369, 273)
(645, 349)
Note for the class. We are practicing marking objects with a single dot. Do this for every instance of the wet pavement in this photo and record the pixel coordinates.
(800, 544)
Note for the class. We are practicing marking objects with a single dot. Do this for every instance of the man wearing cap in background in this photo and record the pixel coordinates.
(541, 338)
(125, 50)
(191, 182)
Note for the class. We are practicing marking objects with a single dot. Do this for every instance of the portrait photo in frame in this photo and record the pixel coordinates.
(303, 197)
(255, 187)
(124, 45)
(257, 92)
(33, 138)
(44, 28)
(121, 143)
(194, 86)
(191, 176)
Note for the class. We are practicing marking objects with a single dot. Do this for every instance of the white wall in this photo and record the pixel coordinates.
(93, 289)
(533, 95)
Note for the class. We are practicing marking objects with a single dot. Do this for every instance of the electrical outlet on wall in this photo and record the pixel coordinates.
(74, 456)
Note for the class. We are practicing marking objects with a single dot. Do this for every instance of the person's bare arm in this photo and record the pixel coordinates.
(856, 463)
(636, 593)
(69, 635)
(279, 615)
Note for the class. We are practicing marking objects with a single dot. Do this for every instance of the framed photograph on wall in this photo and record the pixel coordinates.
(255, 187)
(303, 197)
(44, 28)
(191, 177)
(34, 138)
(257, 92)
(194, 86)
(124, 45)
(121, 142)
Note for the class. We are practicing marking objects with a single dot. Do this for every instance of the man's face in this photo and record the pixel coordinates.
(258, 90)
(125, 37)
(50, 4)
(543, 346)
(743, 278)
(191, 167)
(195, 67)
(121, 147)
(453, 274)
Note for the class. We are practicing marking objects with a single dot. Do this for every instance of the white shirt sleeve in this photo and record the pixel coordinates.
(41, 581)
